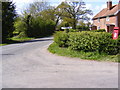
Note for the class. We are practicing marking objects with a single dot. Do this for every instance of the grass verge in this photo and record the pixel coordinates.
(3, 44)
(16, 40)
(21, 39)
(55, 49)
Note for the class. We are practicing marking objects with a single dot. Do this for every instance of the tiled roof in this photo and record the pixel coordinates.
(106, 12)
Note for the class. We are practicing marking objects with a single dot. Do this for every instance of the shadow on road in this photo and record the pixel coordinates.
(7, 54)
(30, 41)
(37, 40)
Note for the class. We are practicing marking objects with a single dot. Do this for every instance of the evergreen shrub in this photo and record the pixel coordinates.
(100, 42)
(61, 38)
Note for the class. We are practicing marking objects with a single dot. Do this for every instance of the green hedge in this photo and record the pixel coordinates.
(100, 30)
(83, 28)
(61, 38)
(88, 41)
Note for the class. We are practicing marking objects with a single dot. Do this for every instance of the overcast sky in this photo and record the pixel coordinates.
(94, 5)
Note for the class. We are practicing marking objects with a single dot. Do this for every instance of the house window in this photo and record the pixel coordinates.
(98, 20)
(107, 19)
(98, 27)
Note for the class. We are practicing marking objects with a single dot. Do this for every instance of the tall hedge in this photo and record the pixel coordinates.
(101, 42)
(8, 16)
(61, 38)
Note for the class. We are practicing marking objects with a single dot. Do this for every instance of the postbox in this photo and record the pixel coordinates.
(115, 33)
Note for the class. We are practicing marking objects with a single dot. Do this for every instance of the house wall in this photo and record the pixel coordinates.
(102, 22)
(119, 19)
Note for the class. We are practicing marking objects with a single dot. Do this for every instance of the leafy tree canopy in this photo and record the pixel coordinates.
(8, 17)
(74, 10)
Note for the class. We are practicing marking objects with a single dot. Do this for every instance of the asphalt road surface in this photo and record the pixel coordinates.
(30, 65)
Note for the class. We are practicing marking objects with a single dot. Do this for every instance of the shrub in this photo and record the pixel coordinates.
(100, 42)
(83, 41)
(73, 30)
(100, 30)
(61, 38)
(38, 27)
(94, 41)
(22, 35)
(83, 28)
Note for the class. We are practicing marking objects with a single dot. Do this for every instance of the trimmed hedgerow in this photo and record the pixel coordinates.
(100, 30)
(100, 42)
(93, 41)
(61, 38)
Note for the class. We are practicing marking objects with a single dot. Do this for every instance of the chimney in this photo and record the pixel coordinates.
(109, 4)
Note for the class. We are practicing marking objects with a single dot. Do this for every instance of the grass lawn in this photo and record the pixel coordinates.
(55, 49)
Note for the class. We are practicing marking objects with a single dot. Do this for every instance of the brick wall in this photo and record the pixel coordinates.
(119, 19)
(101, 23)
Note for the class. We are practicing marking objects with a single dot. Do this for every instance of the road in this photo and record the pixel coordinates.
(30, 65)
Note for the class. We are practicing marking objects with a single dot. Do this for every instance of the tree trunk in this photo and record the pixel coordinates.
(56, 23)
(74, 24)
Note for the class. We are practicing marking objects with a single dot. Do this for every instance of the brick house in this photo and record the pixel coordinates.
(108, 18)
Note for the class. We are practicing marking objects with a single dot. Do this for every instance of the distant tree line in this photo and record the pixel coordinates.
(41, 19)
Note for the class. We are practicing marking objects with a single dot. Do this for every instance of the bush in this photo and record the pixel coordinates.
(94, 41)
(100, 30)
(61, 38)
(83, 28)
(73, 30)
(21, 35)
(83, 41)
(38, 27)
(100, 42)
(20, 27)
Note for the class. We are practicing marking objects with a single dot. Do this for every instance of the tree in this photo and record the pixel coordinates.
(48, 14)
(8, 16)
(36, 21)
(59, 14)
(74, 11)
(35, 8)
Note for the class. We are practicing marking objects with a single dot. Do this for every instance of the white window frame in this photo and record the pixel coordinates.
(107, 18)
(98, 20)
(98, 27)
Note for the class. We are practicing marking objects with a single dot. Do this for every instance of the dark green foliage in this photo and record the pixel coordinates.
(100, 42)
(40, 27)
(94, 41)
(61, 38)
(35, 27)
(20, 27)
(100, 30)
(8, 16)
(83, 41)
(83, 28)
(73, 30)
